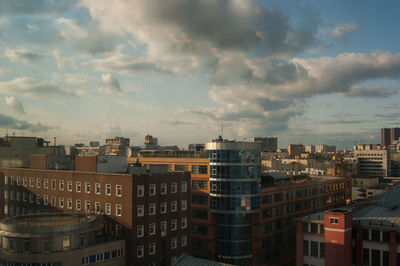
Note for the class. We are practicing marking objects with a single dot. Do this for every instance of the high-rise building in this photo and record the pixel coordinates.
(309, 148)
(374, 163)
(394, 134)
(295, 149)
(268, 144)
(385, 136)
(234, 197)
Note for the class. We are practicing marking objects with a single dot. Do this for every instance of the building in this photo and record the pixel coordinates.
(272, 226)
(385, 137)
(15, 150)
(394, 134)
(367, 233)
(196, 147)
(373, 163)
(268, 144)
(295, 150)
(117, 146)
(151, 143)
(153, 209)
(321, 148)
(60, 239)
(309, 148)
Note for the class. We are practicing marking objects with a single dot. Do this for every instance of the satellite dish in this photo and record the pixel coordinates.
(128, 152)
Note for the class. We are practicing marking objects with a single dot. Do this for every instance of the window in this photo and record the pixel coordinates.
(38, 200)
(140, 251)
(184, 205)
(184, 186)
(69, 203)
(173, 243)
(163, 189)
(61, 202)
(314, 249)
(108, 208)
(18, 196)
(66, 242)
(163, 207)
(69, 185)
(5, 179)
(152, 189)
(140, 231)
(53, 201)
(118, 209)
(18, 181)
(24, 181)
(118, 229)
(140, 190)
(118, 190)
(31, 182)
(322, 250)
(97, 208)
(24, 196)
(152, 248)
(45, 200)
(46, 245)
(152, 209)
(173, 225)
(305, 248)
(11, 244)
(199, 169)
(184, 223)
(78, 186)
(173, 206)
(334, 220)
(200, 184)
(183, 241)
(376, 235)
(87, 205)
(140, 210)
(97, 188)
(163, 228)
(78, 204)
(45, 183)
(108, 189)
(38, 182)
(61, 184)
(174, 187)
(31, 196)
(152, 229)
(87, 187)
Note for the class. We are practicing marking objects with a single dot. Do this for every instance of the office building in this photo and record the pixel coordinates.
(295, 150)
(366, 233)
(394, 134)
(309, 148)
(152, 210)
(272, 225)
(268, 144)
(385, 136)
(60, 239)
(373, 163)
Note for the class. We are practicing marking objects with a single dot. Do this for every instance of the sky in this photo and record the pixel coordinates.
(308, 72)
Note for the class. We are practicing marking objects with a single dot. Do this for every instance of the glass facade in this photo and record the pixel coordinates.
(234, 196)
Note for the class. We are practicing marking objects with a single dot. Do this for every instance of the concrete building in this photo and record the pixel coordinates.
(151, 143)
(373, 163)
(309, 148)
(385, 137)
(394, 134)
(321, 148)
(196, 147)
(366, 233)
(268, 144)
(152, 209)
(15, 150)
(60, 239)
(117, 146)
(272, 226)
(295, 150)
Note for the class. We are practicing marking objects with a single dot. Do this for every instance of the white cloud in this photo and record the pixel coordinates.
(60, 60)
(109, 84)
(24, 55)
(32, 27)
(15, 105)
(343, 29)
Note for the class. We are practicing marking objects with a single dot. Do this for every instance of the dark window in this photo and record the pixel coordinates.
(266, 213)
(278, 197)
(267, 228)
(266, 243)
(314, 228)
(386, 236)
(179, 167)
(199, 199)
(306, 248)
(199, 229)
(199, 214)
(376, 235)
(199, 243)
(267, 199)
(200, 184)
(199, 169)
(278, 225)
(314, 249)
(365, 256)
(305, 227)
(376, 257)
(365, 234)
(398, 259)
(322, 250)
(321, 229)
(385, 258)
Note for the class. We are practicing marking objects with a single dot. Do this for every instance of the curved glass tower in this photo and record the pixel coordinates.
(234, 197)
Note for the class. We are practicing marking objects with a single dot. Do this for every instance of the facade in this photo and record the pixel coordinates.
(309, 148)
(273, 225)
(385, 137)
(394, 134)
(295, 150)
(367, 233)
(60, 239)
(117, 146)
(196, 147)
(321, 148)
(373, 163)
(151, 210)
(151, 143)
(268, 144)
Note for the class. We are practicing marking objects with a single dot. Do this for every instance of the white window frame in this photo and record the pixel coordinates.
(163, 228)
(69, 203)
(45, 200)
(78, 204)
(174, 205)
(152, 248)
(108, 189)
(108, 208)
(174, 225)
(53, 184)
(184, 223)
(38, 182)
(163, 207)
(152, 190)
(78, 186)
(184, 241)
(87, 205)
(140, 251)
(31, 181)
(140, 231)
(61, 202)
(61, 185)
(173, 243)
(18, 180)
(97, 207)
(118, 209)
(46, 183)
(152, 209)
(24, 181)
(183, 205)
(140, 191)
(69, 185)
(152, 229)
(38, 199)
(183, 186)
(97, 188)
(140, 210)
(118, 190)
(174, 188)
(163, 189)
(87, 187)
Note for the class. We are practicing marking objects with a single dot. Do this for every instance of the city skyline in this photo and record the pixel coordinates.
(306, 72)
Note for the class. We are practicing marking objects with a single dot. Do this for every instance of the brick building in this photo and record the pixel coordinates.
(151, 210)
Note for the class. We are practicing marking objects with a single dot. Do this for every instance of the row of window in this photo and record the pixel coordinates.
(102, 256)
(163, 207)
(61, 185)
(163, 189)
(12, 263)
(66, 203)
(140, 231)
(311, 249)
(152, 246)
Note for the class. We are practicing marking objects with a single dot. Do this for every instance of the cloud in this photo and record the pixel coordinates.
(30, 87)
(60, 60)
(13, 123)
(389, 115)
(37, 7)
(23, 55)
(341, 121)
(342, 30)
(372, 92)
(15, 105)
(109, 84)
(32, 27)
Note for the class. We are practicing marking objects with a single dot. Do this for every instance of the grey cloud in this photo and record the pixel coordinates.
(389, 115)
(343, 29)
(15, 105)
(341, 121)
(373, 92)
(13, 123)
(24, 55)
(109, 84)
